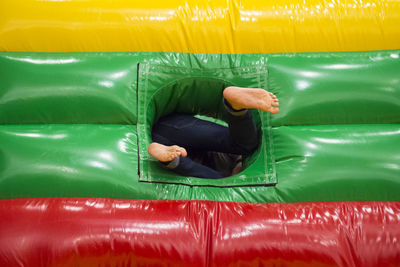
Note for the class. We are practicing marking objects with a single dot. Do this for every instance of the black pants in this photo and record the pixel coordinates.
(195, 134)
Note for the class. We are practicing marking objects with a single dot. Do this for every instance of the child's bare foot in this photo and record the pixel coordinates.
(165, 153)
(243, 98)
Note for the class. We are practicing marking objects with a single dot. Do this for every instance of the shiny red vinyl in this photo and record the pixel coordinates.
(120, 232)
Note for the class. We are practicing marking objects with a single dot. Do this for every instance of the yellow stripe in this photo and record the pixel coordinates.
(199, 26)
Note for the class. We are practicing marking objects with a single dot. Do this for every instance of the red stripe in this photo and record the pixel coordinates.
(115, 232)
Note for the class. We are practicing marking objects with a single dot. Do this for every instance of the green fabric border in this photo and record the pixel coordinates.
(152, 78)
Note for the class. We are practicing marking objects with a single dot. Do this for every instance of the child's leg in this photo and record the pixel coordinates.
(175, 158)
(196, 134)
(185, 166)
(237, 101)
(191, 133)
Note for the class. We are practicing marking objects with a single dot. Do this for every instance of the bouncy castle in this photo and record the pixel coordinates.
(83, 81)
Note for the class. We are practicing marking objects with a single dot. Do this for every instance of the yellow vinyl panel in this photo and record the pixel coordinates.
(199, 26)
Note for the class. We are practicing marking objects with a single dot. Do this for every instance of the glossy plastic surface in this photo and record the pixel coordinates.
(37, 160)
(67, 88)
(70, 126)
(314, 163)
(327, 146)
(345, 88)
(199, 26)
(110, 232)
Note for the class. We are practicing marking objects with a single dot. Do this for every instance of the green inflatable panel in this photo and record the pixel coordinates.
(78, 124)
(67, 88)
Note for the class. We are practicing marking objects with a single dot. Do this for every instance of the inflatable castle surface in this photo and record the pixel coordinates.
(83, 81)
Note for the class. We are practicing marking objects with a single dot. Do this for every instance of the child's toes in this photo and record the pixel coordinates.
(183, 152)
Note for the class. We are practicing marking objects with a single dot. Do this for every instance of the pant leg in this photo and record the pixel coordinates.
(185, 130)
(191, 133)
(164, 132)
(185, 166)
(242, 129)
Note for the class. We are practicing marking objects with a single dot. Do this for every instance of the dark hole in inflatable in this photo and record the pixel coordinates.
(199, 96)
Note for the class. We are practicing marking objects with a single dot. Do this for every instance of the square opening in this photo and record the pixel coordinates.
(162, 90)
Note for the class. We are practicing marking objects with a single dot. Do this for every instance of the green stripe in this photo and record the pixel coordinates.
(337, 137)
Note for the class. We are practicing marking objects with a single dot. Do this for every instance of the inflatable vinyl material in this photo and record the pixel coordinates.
(110, 232)
(199, 26)
(82, 83)
(78, 121)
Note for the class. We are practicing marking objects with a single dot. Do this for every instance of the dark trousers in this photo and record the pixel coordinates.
(194, 134)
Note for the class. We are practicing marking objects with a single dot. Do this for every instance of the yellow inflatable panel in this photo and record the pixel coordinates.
(199, 26)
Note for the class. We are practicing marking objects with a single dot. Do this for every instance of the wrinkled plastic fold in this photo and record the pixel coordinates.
(111, 232)
(199, 26)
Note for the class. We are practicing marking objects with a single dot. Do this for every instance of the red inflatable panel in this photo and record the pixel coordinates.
(111, 232)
